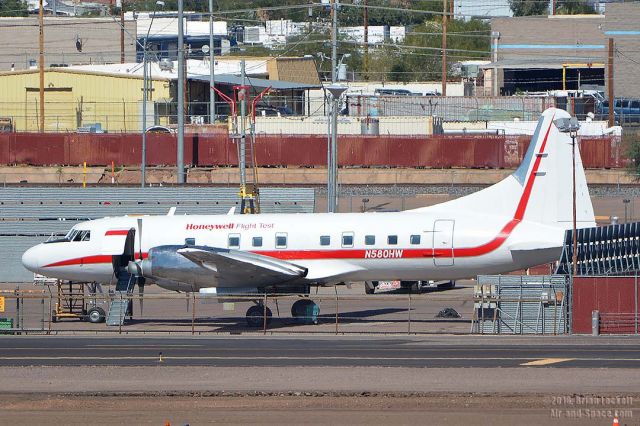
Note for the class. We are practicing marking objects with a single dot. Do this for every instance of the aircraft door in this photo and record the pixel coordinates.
(443, 242)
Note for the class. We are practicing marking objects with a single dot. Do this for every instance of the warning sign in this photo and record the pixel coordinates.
(1, 303)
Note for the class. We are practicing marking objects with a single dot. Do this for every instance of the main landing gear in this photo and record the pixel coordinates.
(255, 315)
(303, 311)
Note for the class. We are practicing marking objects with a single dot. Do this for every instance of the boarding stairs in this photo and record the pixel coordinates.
(120, 305)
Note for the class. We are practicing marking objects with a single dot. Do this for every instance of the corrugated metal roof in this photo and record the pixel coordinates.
(256, 82)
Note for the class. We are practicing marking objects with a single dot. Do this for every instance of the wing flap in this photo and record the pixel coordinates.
(239, 268)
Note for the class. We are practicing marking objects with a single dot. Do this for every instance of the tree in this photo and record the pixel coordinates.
(528, 7)
(13, 8)
(419, 57)
(574, 7)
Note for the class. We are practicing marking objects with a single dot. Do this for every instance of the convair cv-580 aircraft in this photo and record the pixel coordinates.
(514, 224)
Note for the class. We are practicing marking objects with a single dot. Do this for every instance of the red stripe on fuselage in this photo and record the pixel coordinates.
(116, 232)
(88, 260)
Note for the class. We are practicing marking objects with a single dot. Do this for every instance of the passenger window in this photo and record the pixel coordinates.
(256, 242)
(325, 240)
(392, 240)
(369, 240)
(347, 239)
(414, 239)
(234, 241)
(281, 240)
(189, 241)
(86, 236)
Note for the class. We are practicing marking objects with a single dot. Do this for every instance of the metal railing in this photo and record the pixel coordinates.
(39, 311)
(35, 311)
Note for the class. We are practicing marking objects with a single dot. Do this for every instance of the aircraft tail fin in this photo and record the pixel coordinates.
(540, 190)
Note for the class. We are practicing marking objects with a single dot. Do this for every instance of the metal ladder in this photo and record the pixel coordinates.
(121, 300)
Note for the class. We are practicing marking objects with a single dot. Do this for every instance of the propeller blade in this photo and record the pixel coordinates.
(141, 293)
(140, 236)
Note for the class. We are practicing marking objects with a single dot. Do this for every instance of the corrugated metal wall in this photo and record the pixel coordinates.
(28, 216)
(113, 101)
(617, 299)
(438, 151)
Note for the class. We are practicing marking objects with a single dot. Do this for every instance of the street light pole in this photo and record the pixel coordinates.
(212, 92)
(143, 161)
(332, 194)
(574, 259)
(571, 126)
(180, 153)
(145, 91)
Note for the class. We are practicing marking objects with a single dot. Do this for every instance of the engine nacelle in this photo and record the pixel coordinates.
(173, 271)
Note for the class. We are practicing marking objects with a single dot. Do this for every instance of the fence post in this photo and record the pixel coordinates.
(193, 315)
(264, 314)
(636, 303)
(42, 304)
(409, 315)
(121, 316)
(336, 291)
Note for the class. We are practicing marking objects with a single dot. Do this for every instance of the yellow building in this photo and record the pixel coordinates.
(76, 98)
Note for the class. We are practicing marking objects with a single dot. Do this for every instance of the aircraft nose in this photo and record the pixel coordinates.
(31, 259)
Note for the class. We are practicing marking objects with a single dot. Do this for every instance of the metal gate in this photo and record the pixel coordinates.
(521, 304)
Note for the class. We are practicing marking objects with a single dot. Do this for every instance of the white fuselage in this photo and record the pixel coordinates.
(372, 246)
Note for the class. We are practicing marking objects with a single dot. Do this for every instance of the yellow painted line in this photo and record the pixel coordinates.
(548, 361)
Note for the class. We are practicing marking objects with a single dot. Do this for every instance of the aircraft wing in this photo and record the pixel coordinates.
(235, 268)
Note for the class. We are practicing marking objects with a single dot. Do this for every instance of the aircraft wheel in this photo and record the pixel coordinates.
(305, 311)
(95, 315)
(369, 287)
(255, 316)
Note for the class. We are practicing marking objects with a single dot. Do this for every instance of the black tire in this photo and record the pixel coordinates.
(95, 315)
(255, 316)
(300, 311)
(369, 287)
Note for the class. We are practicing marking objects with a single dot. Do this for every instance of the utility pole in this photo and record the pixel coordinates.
(41, 65)
(145, 86)
(332, 163)
(611, 92)
(212, 79)
(242, 160)
(365, 62)
(553, 7)
(444, 48)
(122, 32)
(180, 111)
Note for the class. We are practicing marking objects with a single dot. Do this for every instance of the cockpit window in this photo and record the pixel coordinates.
(73, 235)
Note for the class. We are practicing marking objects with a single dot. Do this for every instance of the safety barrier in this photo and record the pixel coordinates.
(341, 310)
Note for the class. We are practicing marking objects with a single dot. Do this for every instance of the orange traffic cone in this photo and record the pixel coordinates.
(167, 423)
(615, 421)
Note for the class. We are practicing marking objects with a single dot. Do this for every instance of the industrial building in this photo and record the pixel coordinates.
(67, 41)
(109, 97)
(565, 52)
